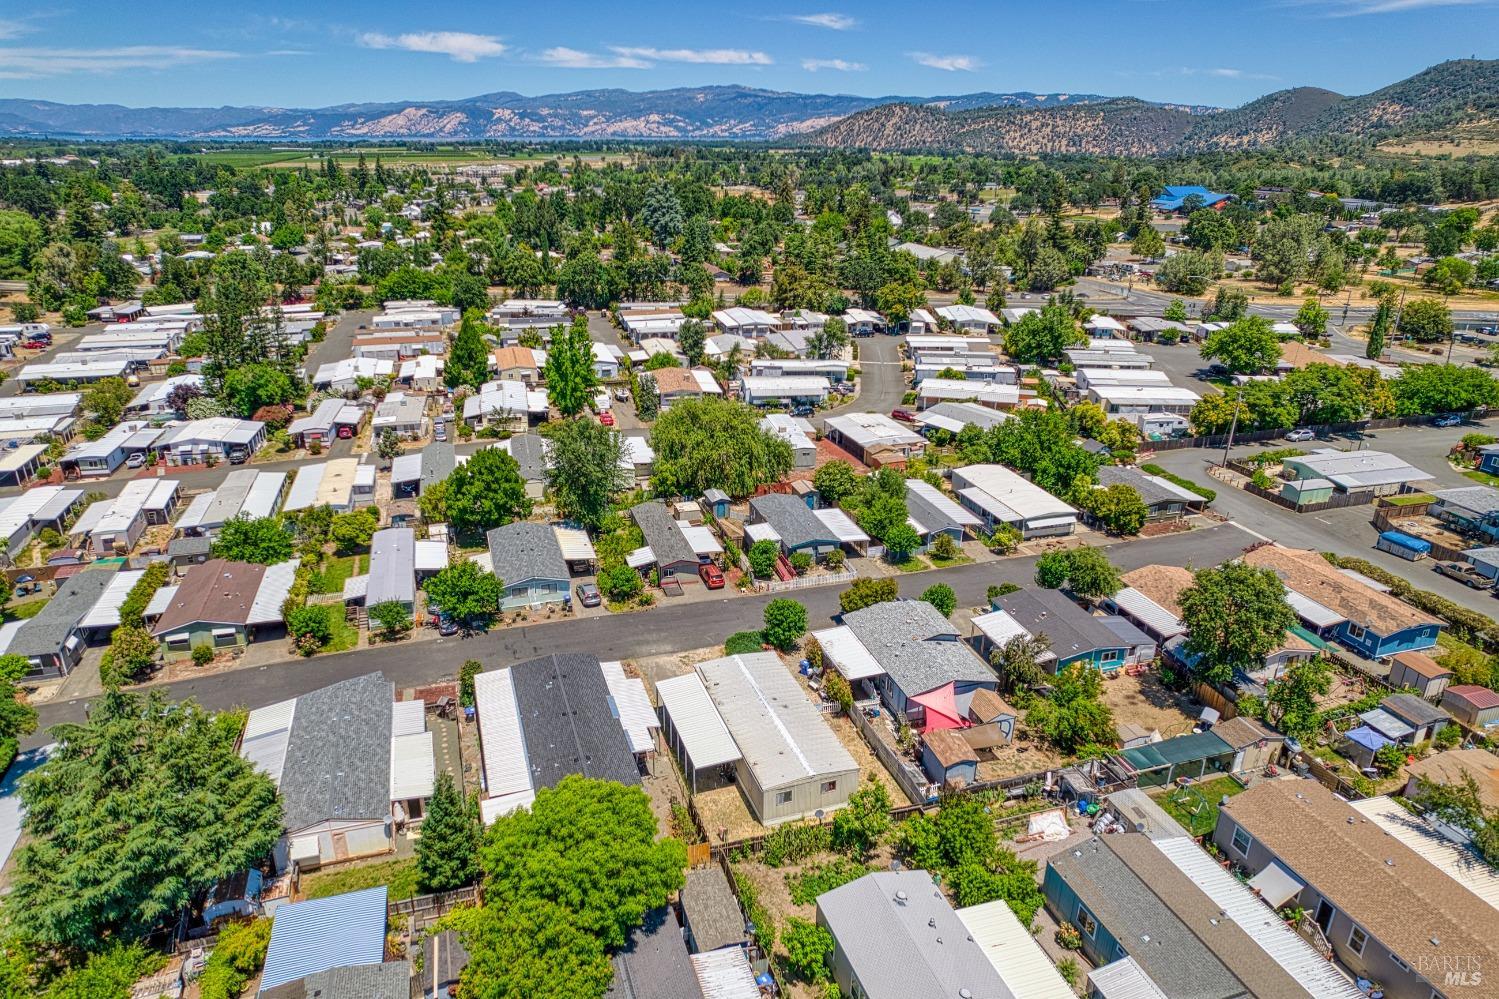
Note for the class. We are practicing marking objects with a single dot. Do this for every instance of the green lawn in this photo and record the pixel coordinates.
(398, 875)
(345, 635)
(336, 571)
(1484, 477)
(1409, 499)
(913, 564)
(1206, 818)
(22, 611)
(947, 563)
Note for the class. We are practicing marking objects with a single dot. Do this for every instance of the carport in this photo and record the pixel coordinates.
(694, 729)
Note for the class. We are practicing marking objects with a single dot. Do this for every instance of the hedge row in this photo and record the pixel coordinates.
(1186, 484)
(1468, 625)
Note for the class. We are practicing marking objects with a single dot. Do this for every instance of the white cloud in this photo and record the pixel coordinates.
(460, 46)
(836, 22)
(12, 29)
(841, 65)
(289, 52)
(31, 62)
(1224, 72)
(716, 57)
(563, 56)
(1354, 8)
(948, 63)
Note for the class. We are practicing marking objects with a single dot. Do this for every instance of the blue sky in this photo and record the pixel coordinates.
(312, 53)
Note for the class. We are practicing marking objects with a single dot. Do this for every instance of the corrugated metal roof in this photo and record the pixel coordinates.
(412, 768)
(304, 488)
(392, 566)
(633, 707)
(700, 538)
(1309, 610)
(267, 734)
(160, 601)
(725, 974)
(1263, 925)
(1124, 979)
(1010, 947)
(1455, 860)
(783, 738)
(431, 556)
(323, 933)
(842, 526)
(842, 648)
(698, 725)
(1158, 620)
(575, 544)
(106, 610)
(407, 718)
(275, 584)
(502, 741)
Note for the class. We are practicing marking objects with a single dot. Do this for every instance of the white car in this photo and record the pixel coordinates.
(1301, 435)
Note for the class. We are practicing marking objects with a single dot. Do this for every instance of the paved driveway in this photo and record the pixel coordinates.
(882, 385)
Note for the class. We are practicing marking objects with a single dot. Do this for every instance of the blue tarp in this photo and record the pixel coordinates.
(1176, 195)
(1406, 541)
(1368, 738)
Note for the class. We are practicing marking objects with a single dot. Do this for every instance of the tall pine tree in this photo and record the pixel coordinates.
(447, 851)
(468, 361)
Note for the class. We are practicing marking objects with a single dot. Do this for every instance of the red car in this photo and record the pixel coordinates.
(345, 432)
(606, 418)
(904, 415)
(36, 344)
(712, 576)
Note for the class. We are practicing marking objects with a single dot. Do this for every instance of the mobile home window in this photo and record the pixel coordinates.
(1357, 938)
(829, 786)
(1086, 922)
(1241, 841)
(783, 797)
(1355, 632)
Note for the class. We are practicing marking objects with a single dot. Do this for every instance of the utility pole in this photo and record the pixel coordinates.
(1232, 427)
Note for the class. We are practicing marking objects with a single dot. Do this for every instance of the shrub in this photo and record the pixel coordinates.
(840, 693)
(742, 642)
(762, 558)
(785, 622)
(836, 559)
(867, 592)
(941, 596)
(808, 947)
(801, 562)
(235, 959)
(794, 842)
(1186, 484)
(310, 625)
(466, 673)
(620, 583)
(944, 548)
(392, 617)
(1068, 938)
(1000, 590)
(202, 655)
(806, 886)
(756, 912)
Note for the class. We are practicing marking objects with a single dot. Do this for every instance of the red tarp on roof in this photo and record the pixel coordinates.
(941, 709)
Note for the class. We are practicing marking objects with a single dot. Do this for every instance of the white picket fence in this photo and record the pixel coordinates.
(804, 582)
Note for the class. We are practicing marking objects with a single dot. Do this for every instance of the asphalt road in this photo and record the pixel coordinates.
(882, 384)
(671, 627)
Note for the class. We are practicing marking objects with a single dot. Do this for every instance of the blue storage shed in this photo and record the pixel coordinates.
(1403, 545)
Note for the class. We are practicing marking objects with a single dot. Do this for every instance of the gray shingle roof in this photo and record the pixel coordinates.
(524, 551)
(438, 462)
(391, 980)
(338, 754)
(903, 939)
(1480, 499)
(529, 451)
(1072, 630)
(711, 909)
(1175, 959)
(662, 534)
(653, 963)
(564, 708)
(1414, 710)
(45, 634)
(797, 525)
(1151, 491)
(918, 647)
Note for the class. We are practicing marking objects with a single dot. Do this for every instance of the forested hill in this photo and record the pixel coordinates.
(1462, 92)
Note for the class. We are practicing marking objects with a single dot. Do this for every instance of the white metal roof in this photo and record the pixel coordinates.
(1263, 924)
(1151, 614)
(725, 973)
(431, 556)
(842, 525)
(264, 495)
(1000, 491)
(407, 718)
(21, 456)
(1124, 979)
(1012, 949)
(356, 587)
(502, 742)
(761, 532)
(632, 706)
(842, 648)
(574, 544)
(267, 734)
(412, 766)
(1456, 860)
(782, 736)
(957, 390)
(275, 584)
(195, 513)
(700, 538)
(698, 725)
(1145, 395)
(1352, 469)
(1316, 614)
(160, 601)
(304, 488)
(641, 557)
(872, 429)
(968, 314)
(106, 610)
(739, 316)
(999, 627)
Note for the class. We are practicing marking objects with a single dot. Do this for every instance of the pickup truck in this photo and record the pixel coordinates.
(1464, 573)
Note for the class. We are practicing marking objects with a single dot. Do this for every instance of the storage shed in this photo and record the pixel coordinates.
(1474, 706)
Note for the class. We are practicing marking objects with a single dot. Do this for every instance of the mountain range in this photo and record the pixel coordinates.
(1457, 93)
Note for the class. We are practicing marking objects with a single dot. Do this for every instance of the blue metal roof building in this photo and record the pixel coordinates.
(1176, 196)
(325, 933)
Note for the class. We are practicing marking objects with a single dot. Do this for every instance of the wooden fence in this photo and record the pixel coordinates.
(425, 910)
(1385, 520)
(910, 777)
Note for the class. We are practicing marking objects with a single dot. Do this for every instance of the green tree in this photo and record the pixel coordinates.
(1283, 249)
(530, 949)
(1235, 615)
(1293, 697)
(447, 853)
(587, 470)
(262, 540)
(310, 627)
(834, 482)
(1042, 336)
(1176, 312)
(1449, 275)
(21, 238)
(393, 617)
(865, 592)
(1443, 388)
(388, 445)
(785, 623)
(465, 592)
(942, 597)
(1117, 507)
(247, 388)
(901, 542)
(468, 361)
(1086, 571)
(1460, 804)
(809, 948)
(154, 577)
(762, 558)
(570, 374)
(1148, 243)
(1246, 347)
(1229, 304)
(1425, 320)
(589, 845)
(486, 491)
(1074, 715)
(132, 651)
(1311, 319)
(236, 958)
(691, 336)
(715, 443)
(466, 673)
(1384, 319)
(354, 530)
(830, 340)
(858, 826)
(17, 718)
(137, 812)
(1187, 272)
(1018, 661)
(107, 398)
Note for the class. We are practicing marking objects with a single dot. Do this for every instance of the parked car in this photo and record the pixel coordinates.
(37, 344)
(136, 460)
(1449, 420)
(1301, 435)
(904, 415)
(1464, 573)
(345, 432)
(606, 418)
(621, 395)
(440, 432)
(239, 455)
(447, 627)
(803, 410)
(712, 575)
(589, 595)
